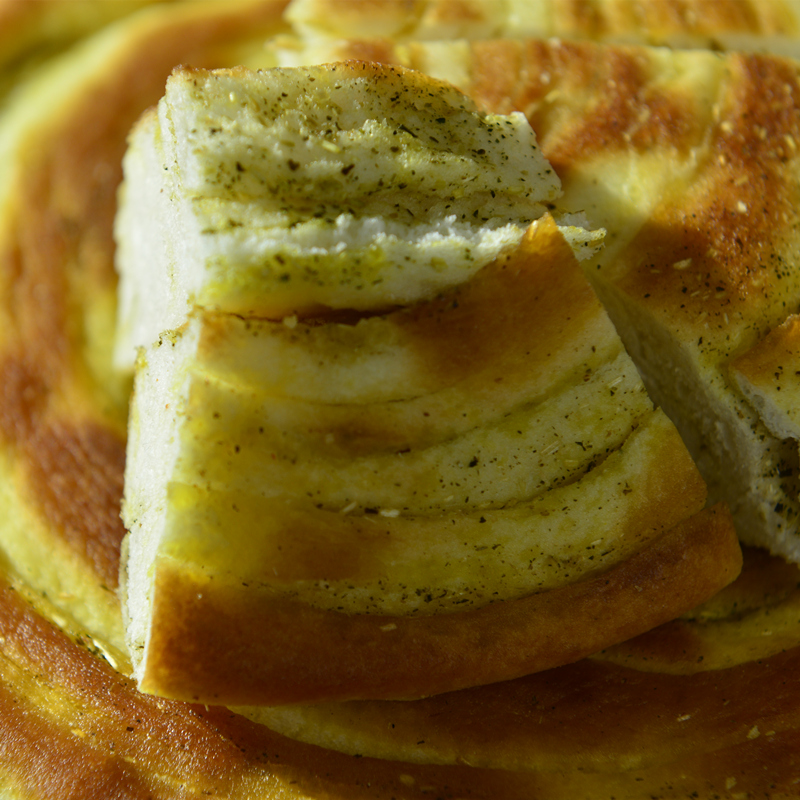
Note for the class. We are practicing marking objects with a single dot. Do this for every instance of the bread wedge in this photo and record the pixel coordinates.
(347, 186)
(431, 468)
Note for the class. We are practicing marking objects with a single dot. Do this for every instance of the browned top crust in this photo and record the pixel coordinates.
(71, 727)
(718, 243)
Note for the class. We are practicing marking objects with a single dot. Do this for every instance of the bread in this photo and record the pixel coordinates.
(659, 699)
(766, 374)
(375, 484)
(249, 195)
(746, 25)
(63, 700)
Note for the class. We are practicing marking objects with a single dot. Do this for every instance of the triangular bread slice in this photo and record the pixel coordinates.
(399, 484)
(459, 457)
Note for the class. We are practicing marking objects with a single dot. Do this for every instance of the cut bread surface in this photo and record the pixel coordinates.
(339, 186)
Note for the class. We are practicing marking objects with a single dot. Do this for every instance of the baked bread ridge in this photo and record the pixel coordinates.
(232, 153)
(730, 25)
(716, 226)
(32, 34)
(72, 727)
(403, 422)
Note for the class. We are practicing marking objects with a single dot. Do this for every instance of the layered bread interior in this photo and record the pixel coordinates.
(457, 429)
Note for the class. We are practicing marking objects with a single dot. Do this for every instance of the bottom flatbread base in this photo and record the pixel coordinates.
(70, 726)
(264, 651)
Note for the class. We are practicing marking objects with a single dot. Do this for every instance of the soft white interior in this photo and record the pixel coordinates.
(759, 475)
(153, 449)
(147, 237)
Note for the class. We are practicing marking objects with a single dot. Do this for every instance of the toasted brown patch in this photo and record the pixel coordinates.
(550, 326)
(619, 104)
(73, 469)
(76, 475)
(752, 618)
(520, 315)
(23, 398)
(730, 225)
(243, 646)
(54, 759)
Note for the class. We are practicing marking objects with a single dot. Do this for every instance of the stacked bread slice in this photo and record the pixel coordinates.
(389, 485)
(335, 188)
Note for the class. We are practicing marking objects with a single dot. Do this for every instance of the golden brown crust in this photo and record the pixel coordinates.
(586, 101)
(604, 723)
(776, 353)
(213, 604)
(737, 222)
(252, 649)
(593, 716)
(768, 374)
